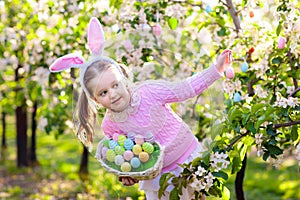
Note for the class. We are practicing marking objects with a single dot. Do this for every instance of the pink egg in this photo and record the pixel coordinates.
(229, 73)
(115, 136)
(157, 29)
(139, 139)
(128, 155)
(281, 42)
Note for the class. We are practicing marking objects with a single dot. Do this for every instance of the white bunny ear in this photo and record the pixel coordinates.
(66, 62)
(96, 38)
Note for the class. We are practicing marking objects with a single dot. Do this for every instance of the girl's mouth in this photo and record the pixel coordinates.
(116, 101)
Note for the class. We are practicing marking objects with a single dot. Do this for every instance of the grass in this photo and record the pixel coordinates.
(57, 177)
(266, 183)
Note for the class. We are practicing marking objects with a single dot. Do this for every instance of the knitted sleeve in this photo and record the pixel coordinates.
(168, 92)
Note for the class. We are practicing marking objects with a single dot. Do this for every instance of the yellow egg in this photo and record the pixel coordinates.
(144, 156)
(126, 167)
(137, 149)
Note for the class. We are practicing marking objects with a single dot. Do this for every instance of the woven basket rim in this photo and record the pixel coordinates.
(150, 173)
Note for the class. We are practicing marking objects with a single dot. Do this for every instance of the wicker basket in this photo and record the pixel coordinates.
(150, 173)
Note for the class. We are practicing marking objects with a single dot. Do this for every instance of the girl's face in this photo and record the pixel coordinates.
(110, 90)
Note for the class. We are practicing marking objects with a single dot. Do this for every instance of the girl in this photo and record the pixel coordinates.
(137, 109)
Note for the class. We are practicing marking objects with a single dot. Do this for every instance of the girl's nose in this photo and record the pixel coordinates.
(113, 94)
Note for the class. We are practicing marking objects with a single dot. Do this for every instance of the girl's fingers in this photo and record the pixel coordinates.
(128, 181)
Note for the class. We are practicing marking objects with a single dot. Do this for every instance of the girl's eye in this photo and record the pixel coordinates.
(103, 93)
(116, 85)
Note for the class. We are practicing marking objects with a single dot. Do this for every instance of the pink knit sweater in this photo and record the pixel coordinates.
(149, 110)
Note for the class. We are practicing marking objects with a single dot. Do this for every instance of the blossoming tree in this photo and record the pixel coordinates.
(171, 40)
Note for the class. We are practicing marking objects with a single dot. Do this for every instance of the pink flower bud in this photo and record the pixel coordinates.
(157, 29)
(128, 45)
(281, 42)
(229, 73)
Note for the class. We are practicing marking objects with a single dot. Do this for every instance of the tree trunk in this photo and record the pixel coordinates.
(83, 170)
(33, 158)
(21, 123)
(239, 191)
(3, 141)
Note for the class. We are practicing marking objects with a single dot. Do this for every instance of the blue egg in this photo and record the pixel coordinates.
(135, 162)
(208, 9)
(237, 97)
(244, 67)
(113, 144)
(128, 144)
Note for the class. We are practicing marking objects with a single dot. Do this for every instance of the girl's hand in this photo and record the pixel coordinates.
(224, 60)
(128, 181)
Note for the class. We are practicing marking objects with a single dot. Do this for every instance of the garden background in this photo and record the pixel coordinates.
(252, 120)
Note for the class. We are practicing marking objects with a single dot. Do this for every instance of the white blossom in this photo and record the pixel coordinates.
(261, 93)
(42, 123)
(201, 171)
(218, 161)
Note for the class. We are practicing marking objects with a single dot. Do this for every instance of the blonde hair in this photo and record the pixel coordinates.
(86, 111)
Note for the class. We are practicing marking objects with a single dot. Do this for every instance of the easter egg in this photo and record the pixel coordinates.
(119, 150)
(148, 147)
(137, 149)
(128, 144)
(281, 42)
(149, 137)
(106, 143)
(157, 29)
(103, 152)
(144, 156)
(128, 155)
(131, 135)
(115, 136)
(244, 67)
(251, 14)
(135, 162)
(139, 139)
(229, 73)
(236, 97)
(125, 167)
(208, 9)
(119, 160)
(121, 139)
(110, 155)
(113, 144)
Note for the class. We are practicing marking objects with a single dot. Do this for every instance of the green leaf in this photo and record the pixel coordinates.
(225, 193)
(294, 132)
(266, 155)
(236, 165)
(174, 194)
(215, 191)
(244, 3)
(173, 22)
(234, 113)
(221, 32)
(216, 130)
(245, 118)
(274, 150)
(196, 162)
(270, 130)
(278, 29)
(276, 60)
(221, 174)
(255, 108)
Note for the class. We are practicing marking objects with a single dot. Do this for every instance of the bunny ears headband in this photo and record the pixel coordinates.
(96, 41)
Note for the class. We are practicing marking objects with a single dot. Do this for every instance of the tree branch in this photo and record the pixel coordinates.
(234, 15)
(187, 2)
(235, 141)
(286, 124)
(294, 92)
